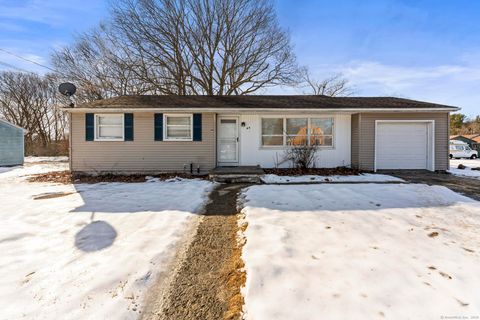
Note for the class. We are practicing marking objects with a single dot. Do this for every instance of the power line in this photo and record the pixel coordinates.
(14, 67)
(29, 60)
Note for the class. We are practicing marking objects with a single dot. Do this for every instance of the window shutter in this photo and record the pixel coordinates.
(128, 126)
(158, 126)
(89, 127)
(197, 127)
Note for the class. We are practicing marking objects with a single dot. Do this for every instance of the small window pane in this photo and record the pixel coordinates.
(272, 140)
(178, 120)
(110, 120)
(321, 126)
(322, 141)
(110, 132)
(297, 126)
(297, 140)
(272, 126)
(178, 132)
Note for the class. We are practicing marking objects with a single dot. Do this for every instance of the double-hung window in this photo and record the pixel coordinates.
(109, 127)
(294, 131)
(178, 127)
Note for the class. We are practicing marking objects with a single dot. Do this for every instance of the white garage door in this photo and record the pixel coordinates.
(403, 145)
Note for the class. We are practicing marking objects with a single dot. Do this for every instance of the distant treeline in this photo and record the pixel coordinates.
(461, 124)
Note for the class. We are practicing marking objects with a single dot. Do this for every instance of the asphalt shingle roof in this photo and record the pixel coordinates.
(258, 101)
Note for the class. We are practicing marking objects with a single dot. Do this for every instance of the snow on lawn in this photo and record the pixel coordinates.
(45, 159)
(87, 251)
(360, 251)
(21, 172)
(367, 177)
(468, 172)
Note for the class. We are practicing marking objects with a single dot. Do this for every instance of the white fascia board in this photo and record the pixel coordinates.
(256, 110)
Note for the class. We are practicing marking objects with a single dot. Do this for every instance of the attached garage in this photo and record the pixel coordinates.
(404, 144)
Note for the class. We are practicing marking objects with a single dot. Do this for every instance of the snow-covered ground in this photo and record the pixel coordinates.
(361, 251)
(87, 251)
(20, 172)
(45, 159)
(367, 177)
(468, 172)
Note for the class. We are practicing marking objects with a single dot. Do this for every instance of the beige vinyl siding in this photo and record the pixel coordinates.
(143, 155)
(366, 142)
(355, 132)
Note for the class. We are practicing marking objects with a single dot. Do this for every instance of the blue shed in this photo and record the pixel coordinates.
(11, 144)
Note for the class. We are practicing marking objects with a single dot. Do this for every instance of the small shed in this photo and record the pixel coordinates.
(11, 144)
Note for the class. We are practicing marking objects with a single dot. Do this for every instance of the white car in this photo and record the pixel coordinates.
(459, 149)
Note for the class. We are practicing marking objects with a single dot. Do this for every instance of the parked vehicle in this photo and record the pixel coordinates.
(460, 149)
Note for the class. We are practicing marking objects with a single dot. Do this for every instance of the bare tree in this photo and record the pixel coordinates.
(30, 101)
(208, 47)
(100, 66)
(334, 86)
(302, 150)
(301, 156)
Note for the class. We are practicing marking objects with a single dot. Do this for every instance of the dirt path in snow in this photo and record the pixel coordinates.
(207, 277)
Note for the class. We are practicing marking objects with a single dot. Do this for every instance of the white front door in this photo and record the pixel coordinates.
(227, 145)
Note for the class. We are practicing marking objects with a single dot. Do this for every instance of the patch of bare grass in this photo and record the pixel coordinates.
(342, 171)
(67, 177)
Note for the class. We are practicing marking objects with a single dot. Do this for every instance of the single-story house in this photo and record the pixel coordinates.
(473, 140)
(147, 134)
(11, 144)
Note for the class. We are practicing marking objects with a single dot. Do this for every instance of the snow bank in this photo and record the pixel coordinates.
(367, 177)
(87, 251)
(360, 251)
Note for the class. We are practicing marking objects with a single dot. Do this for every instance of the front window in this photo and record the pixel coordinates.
(178, 127)
(321, 131)
(109, 127)
(297, 131)
(272, 132)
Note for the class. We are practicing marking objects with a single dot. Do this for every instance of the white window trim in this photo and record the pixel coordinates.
(97, 138)
(165, 136)
(309, 117)
(272, 135)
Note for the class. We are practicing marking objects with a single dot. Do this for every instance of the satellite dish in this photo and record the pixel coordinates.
(67, 89)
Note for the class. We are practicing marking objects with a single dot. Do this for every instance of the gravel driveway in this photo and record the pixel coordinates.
(467, 186)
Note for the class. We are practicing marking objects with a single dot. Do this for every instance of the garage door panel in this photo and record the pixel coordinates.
(402, 145)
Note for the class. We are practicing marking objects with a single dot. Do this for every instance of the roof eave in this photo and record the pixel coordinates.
(246, 110)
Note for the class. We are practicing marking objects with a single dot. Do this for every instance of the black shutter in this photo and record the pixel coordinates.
(197, 127)
(89, 127)
(128, 126)
(158, 126)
